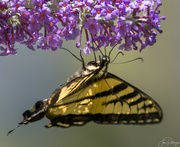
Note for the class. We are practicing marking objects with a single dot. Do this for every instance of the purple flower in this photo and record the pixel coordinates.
(93, 26)
(88, 4)
(65, 15)
(126, 46)
(98, 12)
(123, 28)
(105, 22)
(43, 13)
(51, 25)
(87, 49)
(72, 35)
(34, 24)
(51, 41)
(65, 5)
(17, 5)
(79, 2)
(111, 12)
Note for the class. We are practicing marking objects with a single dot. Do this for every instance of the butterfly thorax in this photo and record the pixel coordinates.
(100, 67)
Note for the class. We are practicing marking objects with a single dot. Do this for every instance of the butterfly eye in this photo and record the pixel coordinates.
(105, 59)
(27, 114)
(38, 105)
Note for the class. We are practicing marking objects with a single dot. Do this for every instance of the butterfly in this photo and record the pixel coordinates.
(94, 94)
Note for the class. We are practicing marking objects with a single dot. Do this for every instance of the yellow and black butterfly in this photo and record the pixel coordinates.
(93, 94)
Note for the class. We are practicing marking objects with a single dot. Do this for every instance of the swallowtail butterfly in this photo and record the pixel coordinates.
(93, 94)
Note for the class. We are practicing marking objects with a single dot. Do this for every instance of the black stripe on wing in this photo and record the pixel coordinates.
(79, 120)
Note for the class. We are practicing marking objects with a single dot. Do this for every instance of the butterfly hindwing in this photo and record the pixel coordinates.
(106, 99)
(128, 105)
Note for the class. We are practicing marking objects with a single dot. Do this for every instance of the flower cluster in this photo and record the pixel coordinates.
(106, 22)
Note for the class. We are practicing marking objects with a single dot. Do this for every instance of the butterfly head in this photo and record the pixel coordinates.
(105, 60)
(36, 113)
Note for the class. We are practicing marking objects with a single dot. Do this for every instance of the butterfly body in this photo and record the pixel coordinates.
(93, 94)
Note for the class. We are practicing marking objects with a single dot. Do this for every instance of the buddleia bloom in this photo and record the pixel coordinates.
(131, 24)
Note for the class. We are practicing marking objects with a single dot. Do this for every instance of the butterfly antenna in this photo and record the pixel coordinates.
(99, 49)
(82, 60)
(112, 49)
(105, 50)
(94, 55)
(94, 51)
(116, 56)
(13, 129)
(71, 53)
(139, 58)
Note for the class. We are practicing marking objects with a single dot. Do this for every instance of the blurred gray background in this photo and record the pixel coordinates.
(31, 76)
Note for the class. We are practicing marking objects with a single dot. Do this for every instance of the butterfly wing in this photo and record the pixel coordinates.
(107, 99)
(126, 104)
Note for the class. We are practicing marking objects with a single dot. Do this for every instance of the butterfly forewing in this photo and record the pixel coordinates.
(106, 99)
